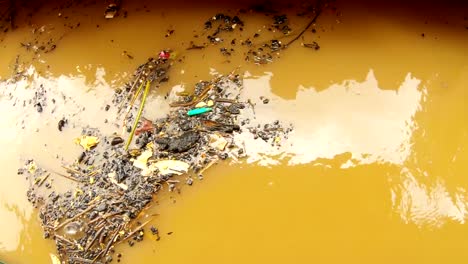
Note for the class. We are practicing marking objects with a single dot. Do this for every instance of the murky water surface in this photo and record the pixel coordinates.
(374, 172)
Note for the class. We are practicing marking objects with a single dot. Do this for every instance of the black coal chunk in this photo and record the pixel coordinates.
(179, 144)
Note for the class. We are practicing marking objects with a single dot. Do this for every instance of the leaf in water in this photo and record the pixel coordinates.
(32, 167)
(87, 142)
(55, 259)
(142, 160)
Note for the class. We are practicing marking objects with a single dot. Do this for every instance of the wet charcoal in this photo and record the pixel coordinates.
(39, 108)
(186, 125)
(117, 141)
(61, 124)
(182, 143)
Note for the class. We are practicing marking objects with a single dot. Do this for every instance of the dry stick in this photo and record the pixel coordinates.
(66, 176)
(73, 218)
(71, 170)
(39, 184)
(65, 240)
(135, 124)
(131, 89)
(134, 231)
(208, 165)
(94, 239)
(124, 121)
(104, 217)
(304, 30)
(111, 241)
(130, 106)
(93, 173)
(224, 100)
(135, 96)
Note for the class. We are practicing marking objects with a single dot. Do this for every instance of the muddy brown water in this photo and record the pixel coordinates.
(374, 172)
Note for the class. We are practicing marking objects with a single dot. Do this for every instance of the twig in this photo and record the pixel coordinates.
(73, 218)
(65, 240)
(224, 100)
(66, 176)
(111, 241)
(304, 30)
(135, 124)
(131, 89)
(93, 173)
(94, 239)
(213, 161)
(130, 106)
(71, 170)
(104, 217)
(136, 230)
(41, 181)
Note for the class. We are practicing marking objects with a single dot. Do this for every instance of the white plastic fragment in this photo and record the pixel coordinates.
(200, 104)
(218, 142)
(142, 160)
(166, 167)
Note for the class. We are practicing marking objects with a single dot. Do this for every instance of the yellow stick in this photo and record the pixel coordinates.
(135, 124)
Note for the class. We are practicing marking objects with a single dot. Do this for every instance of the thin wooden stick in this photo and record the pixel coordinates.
(94, 239)
(73, 218)
(130, 106)
(135, 124)
(131, 89)
(67, 176)
(304, 30)
(136, 230)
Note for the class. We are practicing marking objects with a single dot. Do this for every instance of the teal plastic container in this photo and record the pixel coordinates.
(198, 111)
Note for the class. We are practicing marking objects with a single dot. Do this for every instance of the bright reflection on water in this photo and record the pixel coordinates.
(367, 124)
(372, 124)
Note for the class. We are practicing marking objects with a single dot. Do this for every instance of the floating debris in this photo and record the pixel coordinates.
(169, 167)
(198, 111)
(111, 10)
(117, 141)
(114, 183)
(314, 45)
(87, 142)
(61, 124)
(102, 209)
(225, 23)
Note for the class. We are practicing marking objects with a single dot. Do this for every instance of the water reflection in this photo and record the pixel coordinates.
(11, 235)
(430, 204)
(372, 124)
(354, 123)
